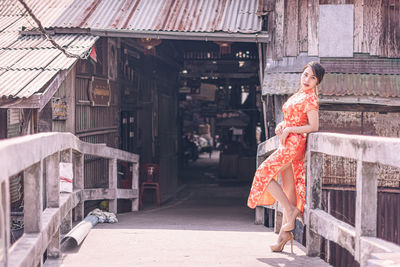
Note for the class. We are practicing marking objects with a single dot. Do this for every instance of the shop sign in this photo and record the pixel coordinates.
(100, 92)
(59, 109)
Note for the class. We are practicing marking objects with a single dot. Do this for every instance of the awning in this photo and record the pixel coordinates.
(213, 20)
(31, 68)
(336, 84)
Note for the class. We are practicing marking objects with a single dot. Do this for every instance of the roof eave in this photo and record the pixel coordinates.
(260, 37)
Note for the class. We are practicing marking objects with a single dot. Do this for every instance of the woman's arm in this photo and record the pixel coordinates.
(312, 126)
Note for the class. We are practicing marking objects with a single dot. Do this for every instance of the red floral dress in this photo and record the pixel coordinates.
(294, 114)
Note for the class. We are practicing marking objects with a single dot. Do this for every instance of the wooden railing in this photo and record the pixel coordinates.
(47, 212)
(361, 240)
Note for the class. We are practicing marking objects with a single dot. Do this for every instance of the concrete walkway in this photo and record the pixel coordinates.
(206, 225)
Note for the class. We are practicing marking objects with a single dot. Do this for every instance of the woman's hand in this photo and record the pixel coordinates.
(284, 135)
(278, 130)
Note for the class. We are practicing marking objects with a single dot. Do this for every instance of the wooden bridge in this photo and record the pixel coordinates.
(48, 213)
(361, 240)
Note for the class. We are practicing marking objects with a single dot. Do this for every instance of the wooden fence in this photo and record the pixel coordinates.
(361, 240)
(47, 212)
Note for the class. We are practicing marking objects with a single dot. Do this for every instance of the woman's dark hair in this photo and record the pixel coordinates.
(318, 70)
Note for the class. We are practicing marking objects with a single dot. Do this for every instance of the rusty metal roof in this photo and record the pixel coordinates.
(172, 19)
(337, 84)
(28, 63)
(231, 16)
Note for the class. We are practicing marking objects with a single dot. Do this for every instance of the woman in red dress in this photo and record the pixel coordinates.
(300, 114)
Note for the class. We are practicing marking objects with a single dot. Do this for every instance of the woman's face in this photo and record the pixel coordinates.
(308, 79)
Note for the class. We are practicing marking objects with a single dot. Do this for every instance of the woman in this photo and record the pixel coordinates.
(300, 113)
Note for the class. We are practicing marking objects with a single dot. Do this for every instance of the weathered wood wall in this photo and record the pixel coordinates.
(294, 27)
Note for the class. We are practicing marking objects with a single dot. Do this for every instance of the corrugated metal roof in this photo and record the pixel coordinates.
(336, 84)
(27, 63)
(233, 16)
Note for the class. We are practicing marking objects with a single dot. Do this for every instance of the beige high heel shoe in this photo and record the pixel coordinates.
(289, 226)
(279, 247)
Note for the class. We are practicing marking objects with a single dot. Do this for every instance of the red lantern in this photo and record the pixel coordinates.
(149, 45)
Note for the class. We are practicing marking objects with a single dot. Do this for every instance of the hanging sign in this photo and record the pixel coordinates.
(59, 109)
(100, 92)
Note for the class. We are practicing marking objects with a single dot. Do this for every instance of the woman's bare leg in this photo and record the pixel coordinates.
(288, 184)
(289, 189)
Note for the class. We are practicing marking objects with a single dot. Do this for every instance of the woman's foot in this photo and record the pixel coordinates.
(291, 219)
(283, 238)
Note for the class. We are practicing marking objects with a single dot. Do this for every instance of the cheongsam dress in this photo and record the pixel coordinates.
(294, 114)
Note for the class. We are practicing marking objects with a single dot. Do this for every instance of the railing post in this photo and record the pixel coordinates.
(52, 167)
(366, 205)
(5, 221)
(66, 223)
(78, 163)
(112, 182)
(260, 215)
(135, 185)
(52, 164)
(33, 198)
(313, 199)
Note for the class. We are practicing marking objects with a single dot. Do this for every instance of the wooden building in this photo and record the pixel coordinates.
(125, 94)
(358, 44)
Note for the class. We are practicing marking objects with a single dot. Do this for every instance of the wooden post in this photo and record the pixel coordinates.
(260, 215)
(5, 221)
(112, 182)
(278, 218)
(53, 250)
(66, 223)
(366, 204)
(79, 165)
(52, 166)
(33, 198)
(53, 180)
(135, 186)
(313, 199)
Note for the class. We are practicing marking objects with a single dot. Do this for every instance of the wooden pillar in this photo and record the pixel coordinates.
(66, 223)
(278, 218)
(366, 204)
(112, 183)
(78, 161)
(135, 186)
(313, 199)
(53, 180)
(52, 166)
(260, 215)
(33, 198)
(4, 221)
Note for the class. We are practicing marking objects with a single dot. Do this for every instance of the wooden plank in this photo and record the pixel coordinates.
(303, 28)
(313, 9)
(376, 28)
(279, 29)
(393, 20)
(366, 204)
(112, 183)
(291, 37)
(33, 201)
(358, 25)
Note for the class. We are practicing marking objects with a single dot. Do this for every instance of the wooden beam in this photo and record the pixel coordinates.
(358, 25)
(279, 29)
(303, 26)
(291, 37)
(313, 15)
(354, 100)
